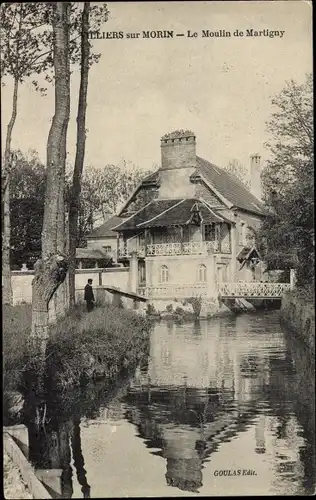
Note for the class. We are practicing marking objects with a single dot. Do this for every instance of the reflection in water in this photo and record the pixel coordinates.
(190, 391)
(222, 394)
(50, 448)
(78, 458)
(206, 386)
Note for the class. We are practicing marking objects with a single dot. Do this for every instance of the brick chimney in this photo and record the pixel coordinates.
(178, 162)
(255, 175)
(178, 150)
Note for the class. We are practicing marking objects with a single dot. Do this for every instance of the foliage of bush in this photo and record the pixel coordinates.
(96, 344)
(151, 310)
(108, 338)
(196, 303)
(307, 293)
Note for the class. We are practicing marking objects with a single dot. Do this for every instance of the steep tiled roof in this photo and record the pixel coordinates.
(229, 187)
(170, 213)
(105, 231)
(150, 210)
(227, 184)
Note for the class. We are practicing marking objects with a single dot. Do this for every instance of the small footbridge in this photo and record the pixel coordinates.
(225, 290)
(253, 290)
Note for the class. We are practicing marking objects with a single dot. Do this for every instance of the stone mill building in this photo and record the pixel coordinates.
(188, 226)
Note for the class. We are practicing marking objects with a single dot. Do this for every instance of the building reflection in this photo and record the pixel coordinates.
(199, 389)
(202, 388)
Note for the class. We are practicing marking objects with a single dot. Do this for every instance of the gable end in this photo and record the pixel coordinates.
(203, 191)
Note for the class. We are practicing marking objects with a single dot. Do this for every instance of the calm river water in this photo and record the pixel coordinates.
(220, 407)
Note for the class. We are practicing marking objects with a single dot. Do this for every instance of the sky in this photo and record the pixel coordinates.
(218, 87)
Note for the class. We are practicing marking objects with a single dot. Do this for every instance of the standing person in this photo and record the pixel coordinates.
(88, 295)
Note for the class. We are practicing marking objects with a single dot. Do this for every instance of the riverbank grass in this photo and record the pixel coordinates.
(81, 347)
(96, 345)
(16, 331)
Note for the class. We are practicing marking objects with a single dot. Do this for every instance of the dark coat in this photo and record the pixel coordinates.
(88, 293)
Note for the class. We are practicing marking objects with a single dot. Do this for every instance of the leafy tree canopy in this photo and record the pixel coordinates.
(26, 38)
(287, 237)
(102, 192)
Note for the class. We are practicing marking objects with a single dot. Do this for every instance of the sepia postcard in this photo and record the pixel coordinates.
(158, 249)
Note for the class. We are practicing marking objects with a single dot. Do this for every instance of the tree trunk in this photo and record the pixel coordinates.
(6, 270)
(60, 304)
(49, 274)
(80, 151)
(50, 271)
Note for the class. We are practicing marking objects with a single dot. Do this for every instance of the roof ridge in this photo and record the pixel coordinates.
(170, 199)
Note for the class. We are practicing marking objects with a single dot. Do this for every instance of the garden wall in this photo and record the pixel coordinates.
(22, 281)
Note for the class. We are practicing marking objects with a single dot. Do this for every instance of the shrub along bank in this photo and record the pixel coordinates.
(81, 347)
(95, 345)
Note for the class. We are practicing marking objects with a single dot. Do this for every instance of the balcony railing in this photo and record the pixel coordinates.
(126, 252)
(193, 248)
(164, 249)
(169, 291)
(185, 248)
